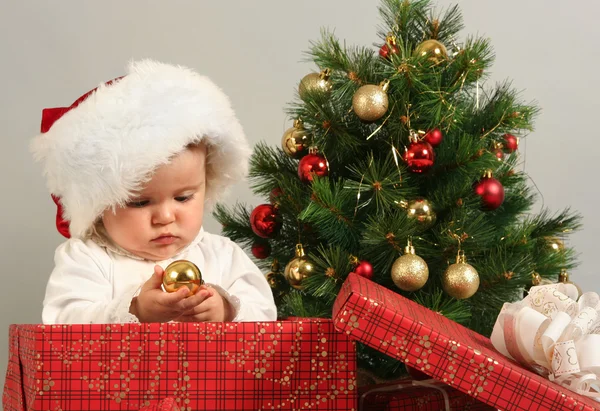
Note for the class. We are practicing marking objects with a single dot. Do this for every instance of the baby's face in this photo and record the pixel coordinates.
(167, 214)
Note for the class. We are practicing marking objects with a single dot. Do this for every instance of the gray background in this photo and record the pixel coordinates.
(52, 52)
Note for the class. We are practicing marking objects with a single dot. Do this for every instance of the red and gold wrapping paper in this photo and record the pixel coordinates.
(445, 350)
(168, 404)
(280, 365)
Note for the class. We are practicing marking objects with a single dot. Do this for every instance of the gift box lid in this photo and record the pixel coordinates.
(445, 350)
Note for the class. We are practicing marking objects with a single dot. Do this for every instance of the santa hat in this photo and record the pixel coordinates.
(99, 151)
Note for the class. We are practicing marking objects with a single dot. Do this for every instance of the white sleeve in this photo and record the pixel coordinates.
(246, 288)
(80, 291)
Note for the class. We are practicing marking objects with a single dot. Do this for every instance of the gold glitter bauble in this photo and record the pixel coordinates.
(371, 102)
(298, 268)
(409, 271)
(296, 140)
(563, 277)
(433, 50)
(182, 273)
(460, 279)
(421, 211)
(315, 82)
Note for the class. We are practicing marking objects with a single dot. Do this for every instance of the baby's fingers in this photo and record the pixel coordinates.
(195, 300)
(171, 299)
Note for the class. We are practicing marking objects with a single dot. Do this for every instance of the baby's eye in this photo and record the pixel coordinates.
(138, 204)
(183, 199)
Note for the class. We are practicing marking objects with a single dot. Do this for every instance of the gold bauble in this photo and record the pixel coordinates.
(433, 50)
(563, 277)
(421, 211)
(295, 141)
(182, 273)
(274, 277)
(275, 280)
(555, 244)
(460, 280)
(278, 284)
(298, 268)
(314, 82)
(537, 279)
(409, 271)
(370, 102)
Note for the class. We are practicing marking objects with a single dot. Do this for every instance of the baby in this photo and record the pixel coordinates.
(131, 166)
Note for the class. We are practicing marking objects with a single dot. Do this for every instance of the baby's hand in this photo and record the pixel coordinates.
(153, 305)
(213, 308)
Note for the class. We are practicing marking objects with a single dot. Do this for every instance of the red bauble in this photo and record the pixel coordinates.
(419, 156)
(274, 195)
(261, 250)
(386, 50)
(265, 221)
(434, 137)
(311, 164)
(364, 269)
(511, 143)
(499, 154)
(491, 192)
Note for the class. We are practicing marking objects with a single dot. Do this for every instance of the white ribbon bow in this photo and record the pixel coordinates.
(554, 334)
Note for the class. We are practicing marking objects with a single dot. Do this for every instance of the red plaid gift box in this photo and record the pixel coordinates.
(429, 395)
(168, 404)
(445, 350)
(208, 366)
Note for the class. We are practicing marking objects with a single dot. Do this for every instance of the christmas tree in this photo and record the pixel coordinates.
(402, 166)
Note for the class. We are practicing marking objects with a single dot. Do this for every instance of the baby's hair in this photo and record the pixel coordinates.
(208, 166)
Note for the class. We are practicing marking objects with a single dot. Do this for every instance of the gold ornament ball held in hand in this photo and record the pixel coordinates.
(182, 273)
(298, 268)
(409, 271)
(460, 280)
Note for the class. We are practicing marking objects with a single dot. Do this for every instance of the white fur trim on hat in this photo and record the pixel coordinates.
(102, 151)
